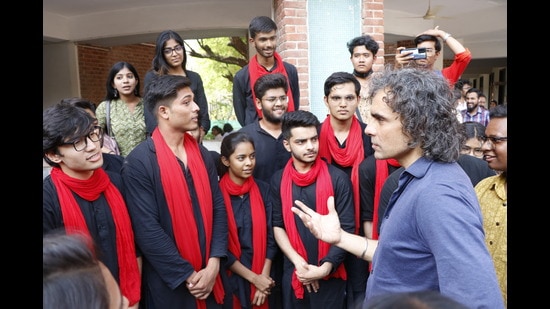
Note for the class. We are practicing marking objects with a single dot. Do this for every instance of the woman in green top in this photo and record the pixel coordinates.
(126, 109)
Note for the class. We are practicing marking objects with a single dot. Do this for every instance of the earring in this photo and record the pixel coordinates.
(116, 93)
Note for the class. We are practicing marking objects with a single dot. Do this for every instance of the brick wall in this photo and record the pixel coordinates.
(391, 49)
(291, 18)
(94, 63)
(372, 15)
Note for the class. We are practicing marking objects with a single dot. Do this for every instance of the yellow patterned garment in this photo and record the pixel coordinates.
(492, 198)
(364, 105)
(128, 127)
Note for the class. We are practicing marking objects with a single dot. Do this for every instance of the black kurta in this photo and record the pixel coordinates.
(164, 269)
(331, 292)
(357, 268)
(243, 218)
(98, 217)
(271, 155)
(244, 105)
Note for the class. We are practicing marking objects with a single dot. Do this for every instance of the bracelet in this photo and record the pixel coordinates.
(365, 251)
(448, 35)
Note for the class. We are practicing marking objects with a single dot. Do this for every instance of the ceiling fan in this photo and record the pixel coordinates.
(432, 13)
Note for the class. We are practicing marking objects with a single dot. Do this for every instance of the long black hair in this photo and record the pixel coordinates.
(111, 91)
(160, 66)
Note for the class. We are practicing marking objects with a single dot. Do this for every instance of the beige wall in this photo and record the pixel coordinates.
(59, 73)
(61, 64)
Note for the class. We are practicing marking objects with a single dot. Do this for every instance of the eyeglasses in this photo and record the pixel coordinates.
(168, 51)
(283, 99)
(494, 139)
(478, 152)
(95, 136)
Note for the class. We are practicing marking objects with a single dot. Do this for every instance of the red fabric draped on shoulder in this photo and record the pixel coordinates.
(180, 205)
(259, 233)
(318, 173)
(90, 190)
(381, 176)
(351, 155)
(255, 70)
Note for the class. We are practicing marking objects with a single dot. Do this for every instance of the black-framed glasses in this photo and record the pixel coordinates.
(494, 139)
(80, 144)
(168, 51)
(283, 99)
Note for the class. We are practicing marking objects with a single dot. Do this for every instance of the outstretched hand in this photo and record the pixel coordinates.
(324, 227)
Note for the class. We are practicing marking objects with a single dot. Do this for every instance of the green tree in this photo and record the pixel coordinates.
(217, 60)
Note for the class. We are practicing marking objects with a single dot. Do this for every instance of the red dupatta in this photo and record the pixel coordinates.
(259, 224)
(255, 70)
(381, 176)
(351, 155)
(74, 222)
(180, 205)
(319, 174)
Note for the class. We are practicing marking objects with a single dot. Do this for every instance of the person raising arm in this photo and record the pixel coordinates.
(429, 40)
(432, 227)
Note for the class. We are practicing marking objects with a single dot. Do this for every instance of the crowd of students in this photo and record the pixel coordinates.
(294, 212)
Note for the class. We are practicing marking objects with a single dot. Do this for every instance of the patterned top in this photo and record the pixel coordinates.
(128, 128)
(481, 116)
(364, 105)
(494, 206)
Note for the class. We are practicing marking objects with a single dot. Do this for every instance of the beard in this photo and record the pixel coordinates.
(268, 116)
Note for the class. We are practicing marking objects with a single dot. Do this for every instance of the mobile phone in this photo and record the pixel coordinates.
(418, 53)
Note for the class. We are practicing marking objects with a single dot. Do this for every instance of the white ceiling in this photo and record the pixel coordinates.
(481, 25)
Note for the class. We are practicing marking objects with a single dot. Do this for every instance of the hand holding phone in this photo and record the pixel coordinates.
(418, 53)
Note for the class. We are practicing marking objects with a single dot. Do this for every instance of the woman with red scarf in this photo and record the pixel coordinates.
(79, 196)
(176, 205)
(314, 275)
(251, 243)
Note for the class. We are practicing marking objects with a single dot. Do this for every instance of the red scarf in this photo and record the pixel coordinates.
(259, 224)
(180, 205)
(255, 70)
(381, 176)
(319, 174)
(74, 222)
(351, 155)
